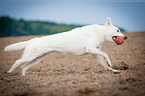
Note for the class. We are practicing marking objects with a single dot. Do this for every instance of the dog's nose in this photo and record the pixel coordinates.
(125, 37)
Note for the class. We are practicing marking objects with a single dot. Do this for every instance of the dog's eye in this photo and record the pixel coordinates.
(117, 30)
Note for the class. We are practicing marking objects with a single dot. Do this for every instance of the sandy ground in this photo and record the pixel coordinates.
(67, 75)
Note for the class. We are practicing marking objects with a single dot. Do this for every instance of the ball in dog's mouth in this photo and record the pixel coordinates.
(119, 40)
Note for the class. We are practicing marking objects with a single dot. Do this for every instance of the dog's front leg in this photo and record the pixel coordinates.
(96, 51)
(102, 57)
(102, 61)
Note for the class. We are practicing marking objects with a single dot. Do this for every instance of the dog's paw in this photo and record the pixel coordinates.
(23, 75)
(115, 71)
(9, 72)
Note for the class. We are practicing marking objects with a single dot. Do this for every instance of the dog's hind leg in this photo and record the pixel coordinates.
(16, 64)
(24, 59)
(32, 63)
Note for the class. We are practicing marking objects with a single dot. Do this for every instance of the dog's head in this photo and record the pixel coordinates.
(113, 32)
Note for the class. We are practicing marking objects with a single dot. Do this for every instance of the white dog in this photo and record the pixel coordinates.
(79, 41)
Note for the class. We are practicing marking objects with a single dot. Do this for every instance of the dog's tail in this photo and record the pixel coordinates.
(19, 45)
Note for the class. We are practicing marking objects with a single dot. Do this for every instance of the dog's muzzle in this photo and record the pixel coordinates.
(124, 37)
(119, 39)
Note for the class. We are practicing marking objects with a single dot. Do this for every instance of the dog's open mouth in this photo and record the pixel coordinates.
(114, 38)
(118, 40)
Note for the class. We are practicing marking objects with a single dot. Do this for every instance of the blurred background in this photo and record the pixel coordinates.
(37, 17)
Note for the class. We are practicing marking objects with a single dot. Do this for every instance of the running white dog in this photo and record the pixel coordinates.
(79, 41)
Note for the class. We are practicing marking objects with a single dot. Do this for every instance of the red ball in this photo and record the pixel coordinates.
(119, 40)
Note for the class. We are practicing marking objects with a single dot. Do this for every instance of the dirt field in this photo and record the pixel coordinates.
(67, 75)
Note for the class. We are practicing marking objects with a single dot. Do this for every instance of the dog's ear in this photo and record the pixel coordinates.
(109, 21)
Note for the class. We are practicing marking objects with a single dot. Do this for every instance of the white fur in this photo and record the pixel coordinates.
(79, 41)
